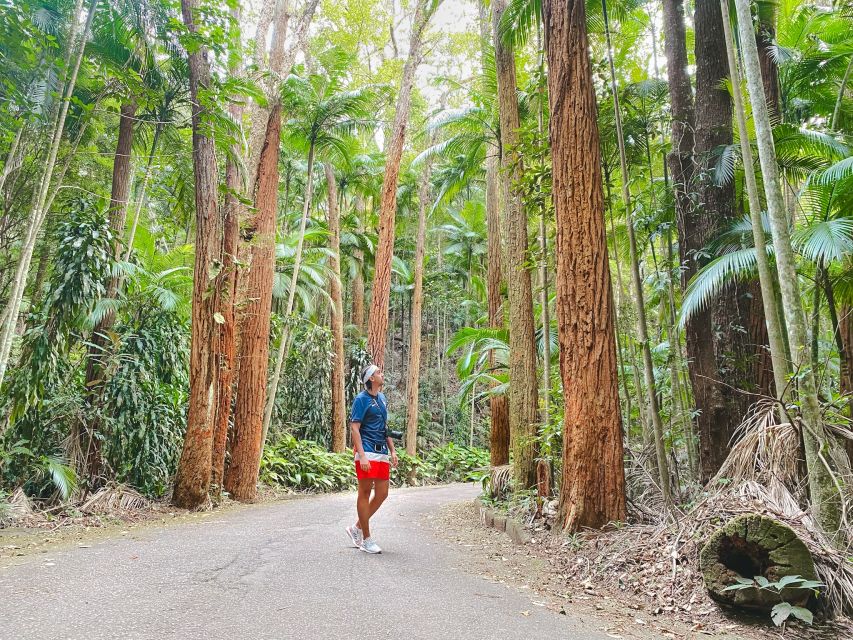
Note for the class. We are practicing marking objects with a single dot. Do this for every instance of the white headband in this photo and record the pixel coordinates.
(368, 374)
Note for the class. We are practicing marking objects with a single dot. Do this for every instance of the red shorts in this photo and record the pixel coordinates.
(378, 471)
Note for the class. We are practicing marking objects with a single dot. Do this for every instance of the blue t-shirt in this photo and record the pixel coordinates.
(372, 413)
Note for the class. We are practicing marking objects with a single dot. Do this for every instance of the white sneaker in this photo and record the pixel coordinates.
(369, 546)
(355, 535)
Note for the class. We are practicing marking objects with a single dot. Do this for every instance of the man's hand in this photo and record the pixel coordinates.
(394, 459)
(365, 463)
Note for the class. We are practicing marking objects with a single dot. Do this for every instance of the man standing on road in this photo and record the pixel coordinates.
(374, 455)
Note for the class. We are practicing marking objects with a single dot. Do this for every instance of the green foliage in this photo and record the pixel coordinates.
(784, 610)
(302, 405)
(303, 465)
(144, 401)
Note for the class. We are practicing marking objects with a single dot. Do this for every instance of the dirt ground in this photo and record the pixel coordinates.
(540, 565)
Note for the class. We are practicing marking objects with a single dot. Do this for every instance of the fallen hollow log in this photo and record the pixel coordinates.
(755, 545)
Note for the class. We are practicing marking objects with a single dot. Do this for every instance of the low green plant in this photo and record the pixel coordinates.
(453, 463)
(43, 472)
(784, 610)
(304, 465)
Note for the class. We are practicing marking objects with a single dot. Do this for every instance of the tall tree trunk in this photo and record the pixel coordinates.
(591, 495)
(241, 477)
(773, 328)
(377, 329)
(193, 477)
(499, 439)
(499, 433)
(39, 212)
(523, 392)
(143, 193)
(637, 284)
(230, 246)
(715, 420)
(413, 385)
(339, 416)
(98, 348)
(281, 356)
(818, 444)
(845, 326)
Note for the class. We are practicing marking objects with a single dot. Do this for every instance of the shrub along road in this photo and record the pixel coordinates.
(274, 571)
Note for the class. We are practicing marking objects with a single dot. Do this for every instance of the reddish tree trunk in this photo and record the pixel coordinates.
(339, 439)
(592, 491)
(193, 478)
(523, 393)
(241, 477)
(227, 351)
(122, 177)
(499, 434)
(377, 329)
(499, 440)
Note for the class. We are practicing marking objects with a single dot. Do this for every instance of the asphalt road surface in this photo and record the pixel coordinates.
(274, 571)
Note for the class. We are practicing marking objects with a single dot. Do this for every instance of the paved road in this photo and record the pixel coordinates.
(275, 571)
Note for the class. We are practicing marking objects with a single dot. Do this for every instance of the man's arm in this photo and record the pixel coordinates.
(359, 448)
(392, 450)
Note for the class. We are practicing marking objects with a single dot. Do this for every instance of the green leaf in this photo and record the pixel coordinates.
(786, 580)
(781, 612)
(803, 614)
(762, 581)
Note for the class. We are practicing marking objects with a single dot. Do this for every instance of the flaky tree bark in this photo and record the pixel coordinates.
(339, 416)
(241, 477)
(817, 443)
(377, 328)
(413, 385)
(591, 495)
(193, 477)
(499, 438)
(73, 59)
(523, 383)
(122, 177)
(227, 328)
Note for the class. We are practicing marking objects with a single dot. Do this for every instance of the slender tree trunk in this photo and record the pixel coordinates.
(241, 477)
(339, 416)
(13, 158)
(591, 495)
(817, 443)
(227, 328)
(766, 271)
(845, 329)
(143, 193)
(291, 297)
(499, 439)
(637, 284)
(377, 329)
(99, 347)
(523, 393)
(413, 386)
(193, 477)
(39, 212)
(499, 433)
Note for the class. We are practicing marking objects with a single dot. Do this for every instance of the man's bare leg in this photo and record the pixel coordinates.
(380, 492)
(363, 506)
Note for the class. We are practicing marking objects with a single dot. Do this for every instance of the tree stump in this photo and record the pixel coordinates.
(750, 546)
